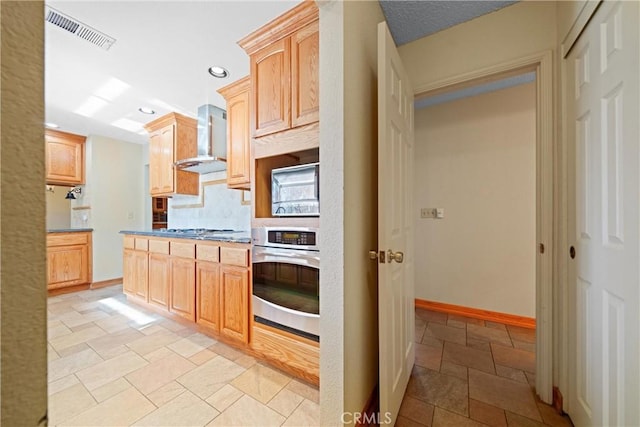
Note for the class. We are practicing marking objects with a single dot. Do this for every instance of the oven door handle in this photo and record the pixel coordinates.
(277, 255)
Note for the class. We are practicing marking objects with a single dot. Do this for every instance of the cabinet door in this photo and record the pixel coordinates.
(159, 280)
(305, 91)
(161, 161)
(141, 283)
(67, 266)
(234, 303)
(64, 158)
(208, 295)
(129, 272)
(182, 299)
(238, 141)
(271, 90)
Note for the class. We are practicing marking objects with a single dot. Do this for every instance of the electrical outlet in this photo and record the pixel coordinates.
(427, 213)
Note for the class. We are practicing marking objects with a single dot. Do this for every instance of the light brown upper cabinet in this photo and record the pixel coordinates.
(64, 158)
(284, 57)
(172, 137)
(238, 134)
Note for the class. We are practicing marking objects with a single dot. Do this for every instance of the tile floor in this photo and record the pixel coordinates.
(471, 372)
(114, 364)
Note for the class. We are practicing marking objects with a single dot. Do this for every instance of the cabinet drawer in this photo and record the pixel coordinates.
(129, 242)
(208, 253)
(234, 256)
(185, 250)
(67, 239)
(142, 244)
(159, 247)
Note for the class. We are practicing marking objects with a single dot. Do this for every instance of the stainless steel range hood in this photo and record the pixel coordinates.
(212, 142)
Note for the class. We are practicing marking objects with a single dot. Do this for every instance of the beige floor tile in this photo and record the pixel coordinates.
(503, 393)
(156, 374)
(171, 325)
(247, 412)
(469, 357)
(226, 396)
(61, 384)
(110, 370)
(57, 331)
(285, 402)
(432, 341)
(432, 316)
(515, 420)
(185, 410)
(113, 323)
(454, 370)
(417, 410)
(122, 409)
(85, 318)
(191, 345)
(444, 418)
(428, 356)
(226, 351)
(51, 353)
(149, 343)
(68, 351)
(511, 373)
(106, 343)
(202, 357)
(514, 358)
(71, 364)
(495, 325)
(166, 393)
(151, 328)
(420, 327)
(487, 414)
(210, 377)
(68, 403)
(402, 421)
(261, 382)
(488, 334)
(75, 338)
(446, 333)
(246, 361)
(158, 354)
(524, 345)
(305, 390)
(111, 389)
(478, 344)
(440, 390)
(522, 334)
(117, 350)
(306, 414)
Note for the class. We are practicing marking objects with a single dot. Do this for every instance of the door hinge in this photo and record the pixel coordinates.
(541, 248)
(375, 255)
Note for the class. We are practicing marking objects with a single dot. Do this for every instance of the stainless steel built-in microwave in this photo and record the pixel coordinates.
(295, 190)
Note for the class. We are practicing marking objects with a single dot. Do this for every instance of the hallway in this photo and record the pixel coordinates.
(471, 372)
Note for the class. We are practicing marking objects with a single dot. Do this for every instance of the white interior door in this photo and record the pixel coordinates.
(396, 306)
(602, 127)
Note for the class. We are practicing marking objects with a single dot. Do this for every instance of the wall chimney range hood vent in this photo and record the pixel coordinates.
(212, 142)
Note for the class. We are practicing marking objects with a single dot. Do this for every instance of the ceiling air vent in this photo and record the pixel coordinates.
(76, 27)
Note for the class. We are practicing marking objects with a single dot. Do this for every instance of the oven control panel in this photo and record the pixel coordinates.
(292, 237)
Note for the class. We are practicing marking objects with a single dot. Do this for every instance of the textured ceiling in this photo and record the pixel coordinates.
(411, 20)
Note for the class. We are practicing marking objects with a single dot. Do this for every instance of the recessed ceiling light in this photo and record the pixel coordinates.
(218, 72)
(51, 125)
(145, 110)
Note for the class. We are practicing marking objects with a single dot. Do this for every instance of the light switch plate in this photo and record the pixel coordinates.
(439, 212)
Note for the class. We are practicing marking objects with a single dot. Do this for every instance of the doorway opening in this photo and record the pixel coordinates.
(541, 66)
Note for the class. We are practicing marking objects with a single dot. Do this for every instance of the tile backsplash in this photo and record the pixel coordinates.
(215, 207)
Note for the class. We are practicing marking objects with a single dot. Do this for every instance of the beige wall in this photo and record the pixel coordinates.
(475, 157)
(115, 198)
(516, 31)
(23, 351)
(348, 133)
(58, 208)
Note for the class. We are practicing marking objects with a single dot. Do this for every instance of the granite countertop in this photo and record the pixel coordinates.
(218, 236)
(68, 230)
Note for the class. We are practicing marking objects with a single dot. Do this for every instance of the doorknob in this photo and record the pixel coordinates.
(397, 256)
(572, 252)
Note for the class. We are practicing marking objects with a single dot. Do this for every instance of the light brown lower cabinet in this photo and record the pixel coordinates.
(159, 275)
(234, 302)
(182, 300)
(68, 259)
(208, 295)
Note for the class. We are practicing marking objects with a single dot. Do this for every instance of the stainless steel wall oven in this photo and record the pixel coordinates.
(286, 270)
